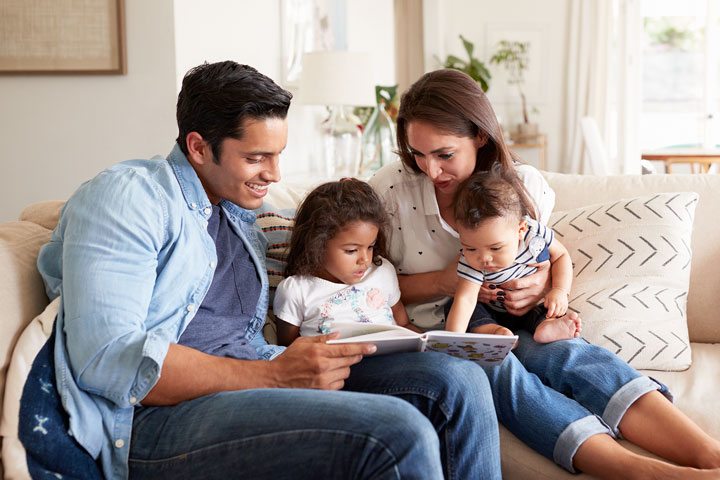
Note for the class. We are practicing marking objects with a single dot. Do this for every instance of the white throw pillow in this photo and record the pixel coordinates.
(631, 271)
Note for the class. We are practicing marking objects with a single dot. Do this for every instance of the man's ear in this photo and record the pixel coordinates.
(199, 150)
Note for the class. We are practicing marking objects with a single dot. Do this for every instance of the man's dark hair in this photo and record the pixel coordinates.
(326, 211)
(217, 98)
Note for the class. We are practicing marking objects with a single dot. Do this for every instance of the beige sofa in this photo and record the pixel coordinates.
(697, 391)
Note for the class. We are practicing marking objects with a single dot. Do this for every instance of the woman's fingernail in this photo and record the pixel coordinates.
(492, 287)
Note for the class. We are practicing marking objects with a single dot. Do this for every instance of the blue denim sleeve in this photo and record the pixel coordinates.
(265, 350)
(111, 232)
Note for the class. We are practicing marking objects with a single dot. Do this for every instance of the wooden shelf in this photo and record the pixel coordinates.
(531, 140)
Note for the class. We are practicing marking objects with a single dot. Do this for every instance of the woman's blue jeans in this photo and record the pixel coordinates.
(436, 417)
(554, 396)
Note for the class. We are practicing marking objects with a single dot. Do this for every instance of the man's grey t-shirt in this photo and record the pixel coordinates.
(220, 325)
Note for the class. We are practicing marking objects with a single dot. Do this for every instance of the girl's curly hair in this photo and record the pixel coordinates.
(324, 213)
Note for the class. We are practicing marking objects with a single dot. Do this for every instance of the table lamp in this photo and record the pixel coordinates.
(338, 79)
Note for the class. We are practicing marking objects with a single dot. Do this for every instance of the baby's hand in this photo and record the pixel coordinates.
(556, 302)
(504, 331)
(499, 330)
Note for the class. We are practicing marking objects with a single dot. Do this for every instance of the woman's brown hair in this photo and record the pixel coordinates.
(324, 213)
(453, 102)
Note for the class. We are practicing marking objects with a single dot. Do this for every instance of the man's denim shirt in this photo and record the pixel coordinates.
(132, 261)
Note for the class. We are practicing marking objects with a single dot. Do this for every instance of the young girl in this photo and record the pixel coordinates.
(336, 270)
(501, 242)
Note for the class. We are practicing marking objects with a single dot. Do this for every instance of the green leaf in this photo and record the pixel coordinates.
(473, 67)
(480, 67)
(469, 47)
(484, 84)
(454, 60)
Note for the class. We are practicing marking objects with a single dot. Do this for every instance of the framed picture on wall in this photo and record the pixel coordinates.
(62, 37)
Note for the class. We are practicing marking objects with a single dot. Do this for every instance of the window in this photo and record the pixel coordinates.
(681, 68)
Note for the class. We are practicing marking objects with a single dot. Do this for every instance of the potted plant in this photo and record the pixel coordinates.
(472, 66)
(513, 56)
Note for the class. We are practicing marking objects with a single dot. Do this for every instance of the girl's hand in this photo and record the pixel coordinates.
(556, 302)
(521, 295)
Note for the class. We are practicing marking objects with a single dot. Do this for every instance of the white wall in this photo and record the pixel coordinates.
(248, 32)
(481, 21)
(60, 130)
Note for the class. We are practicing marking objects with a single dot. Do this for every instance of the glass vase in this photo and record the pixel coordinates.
(378, 141)
(342, 137)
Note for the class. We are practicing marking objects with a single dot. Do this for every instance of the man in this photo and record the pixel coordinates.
(159, 355)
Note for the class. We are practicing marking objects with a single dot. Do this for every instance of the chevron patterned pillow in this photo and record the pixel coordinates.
(631, 271)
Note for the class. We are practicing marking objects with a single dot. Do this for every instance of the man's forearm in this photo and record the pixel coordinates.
(188, 373)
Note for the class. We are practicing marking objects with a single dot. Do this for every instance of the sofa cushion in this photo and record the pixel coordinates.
(703, 302)
(28, 345)
(631, 272)
(693, 393)
(45, 213)
(22, 293)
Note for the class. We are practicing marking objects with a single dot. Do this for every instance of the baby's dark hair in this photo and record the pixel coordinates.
(324, 213)
(487, 195)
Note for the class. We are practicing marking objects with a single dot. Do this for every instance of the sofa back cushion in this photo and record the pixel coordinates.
(703, 301)
(22, 293)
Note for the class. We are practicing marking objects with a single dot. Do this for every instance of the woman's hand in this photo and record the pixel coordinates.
(420, 287)
(448, 278)
(521, 295)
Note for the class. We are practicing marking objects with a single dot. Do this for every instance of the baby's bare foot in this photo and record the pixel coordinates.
(560, 328)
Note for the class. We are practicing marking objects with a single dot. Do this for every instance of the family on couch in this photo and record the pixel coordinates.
(160, 361)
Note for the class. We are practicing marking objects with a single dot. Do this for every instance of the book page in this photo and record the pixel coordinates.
(480, 348)
(354, 329)
(388, 341)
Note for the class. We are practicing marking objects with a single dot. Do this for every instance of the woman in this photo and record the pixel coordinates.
(568, 399)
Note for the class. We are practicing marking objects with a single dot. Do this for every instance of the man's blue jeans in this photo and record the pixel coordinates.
(291, 433)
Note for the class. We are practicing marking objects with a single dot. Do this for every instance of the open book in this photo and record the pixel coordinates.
(481, 348)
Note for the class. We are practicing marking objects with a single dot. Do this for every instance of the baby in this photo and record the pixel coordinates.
(500, 242)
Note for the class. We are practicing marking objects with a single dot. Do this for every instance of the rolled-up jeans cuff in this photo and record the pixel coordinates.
(626, 396)
(575, 435)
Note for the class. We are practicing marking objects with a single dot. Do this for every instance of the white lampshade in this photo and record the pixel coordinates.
(336, 77)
